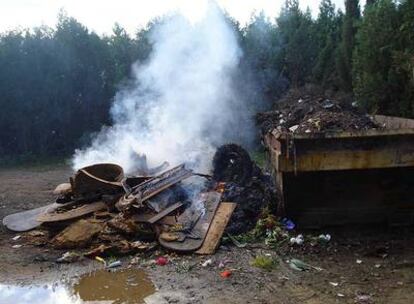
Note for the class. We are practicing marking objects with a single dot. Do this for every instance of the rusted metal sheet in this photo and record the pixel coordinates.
(153, 186)
(97, 179)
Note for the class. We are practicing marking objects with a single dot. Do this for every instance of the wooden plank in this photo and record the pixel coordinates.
(219, 223)
(72, 213)
(211, 201)
(344, 134)
(391, 122)
(27, 220)
(144, 217)
(348, 160)
(165, 212)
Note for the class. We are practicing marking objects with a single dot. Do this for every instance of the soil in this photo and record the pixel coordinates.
(385, 274)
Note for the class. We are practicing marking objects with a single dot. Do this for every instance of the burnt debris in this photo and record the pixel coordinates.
(244, 183)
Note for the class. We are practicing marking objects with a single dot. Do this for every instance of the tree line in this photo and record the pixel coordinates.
(57, 84)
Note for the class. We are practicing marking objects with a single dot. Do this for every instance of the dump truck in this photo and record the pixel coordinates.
(345, 178)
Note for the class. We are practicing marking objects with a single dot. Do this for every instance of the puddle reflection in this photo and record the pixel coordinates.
(100, 287)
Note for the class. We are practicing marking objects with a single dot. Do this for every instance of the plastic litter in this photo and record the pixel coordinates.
(161, 261)
(207, 263)
(225, 274)
(69, 257)
(324, 238)
(114, 264)
(16, 237)
(288, 224)
(299, 240)
(299, 265)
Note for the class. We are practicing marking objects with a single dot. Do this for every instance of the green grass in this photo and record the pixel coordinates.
(264, 262)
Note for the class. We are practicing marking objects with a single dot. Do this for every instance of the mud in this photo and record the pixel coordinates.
(385, 274)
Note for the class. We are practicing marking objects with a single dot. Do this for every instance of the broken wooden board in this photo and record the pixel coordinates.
(211, 201)
(77, 235)
(214, 234)
(55, 216)
(27, 220)
(165, 212)
(144, 217)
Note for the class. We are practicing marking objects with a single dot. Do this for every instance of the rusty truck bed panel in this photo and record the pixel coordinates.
(345, 177)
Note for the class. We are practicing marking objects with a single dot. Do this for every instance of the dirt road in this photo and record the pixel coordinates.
(368, 267)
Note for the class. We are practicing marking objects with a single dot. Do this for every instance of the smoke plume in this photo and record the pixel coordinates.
(182, 104)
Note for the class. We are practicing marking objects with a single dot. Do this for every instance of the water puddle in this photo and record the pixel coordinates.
(99, 287)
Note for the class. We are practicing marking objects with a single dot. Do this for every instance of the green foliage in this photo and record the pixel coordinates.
(297, 32)
(327, 28)
(346, 48)
(265, 262)
(375, 83)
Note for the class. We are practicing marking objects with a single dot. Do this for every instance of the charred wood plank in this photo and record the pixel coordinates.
(165, 212)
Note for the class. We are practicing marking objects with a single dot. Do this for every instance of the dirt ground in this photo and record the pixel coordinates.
(385, 273)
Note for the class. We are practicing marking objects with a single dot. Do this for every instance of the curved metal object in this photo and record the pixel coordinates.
(97, 179)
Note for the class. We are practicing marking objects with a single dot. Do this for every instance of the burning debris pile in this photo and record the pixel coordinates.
(243, 183)
(108, 213)
(307, 111)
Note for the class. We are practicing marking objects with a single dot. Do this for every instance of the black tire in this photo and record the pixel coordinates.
(232, 163)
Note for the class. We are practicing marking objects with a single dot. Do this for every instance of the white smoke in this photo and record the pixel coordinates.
(182, 104)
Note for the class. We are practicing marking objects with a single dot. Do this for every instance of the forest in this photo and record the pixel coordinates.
(57, 84)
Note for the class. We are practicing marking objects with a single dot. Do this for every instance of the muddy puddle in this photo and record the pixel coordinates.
(99, 287)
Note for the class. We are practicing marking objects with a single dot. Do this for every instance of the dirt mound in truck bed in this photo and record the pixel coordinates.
(309, 110)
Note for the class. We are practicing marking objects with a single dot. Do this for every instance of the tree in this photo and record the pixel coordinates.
(298, 52)
(328, 33)
(349, 30)
(374, 79)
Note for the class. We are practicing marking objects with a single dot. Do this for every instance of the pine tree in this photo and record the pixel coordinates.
(327, 33)
(376, 86)
(349, 30)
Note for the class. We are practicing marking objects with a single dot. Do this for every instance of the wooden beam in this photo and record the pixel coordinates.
(165, 212)
(219, 223)
(348, 160)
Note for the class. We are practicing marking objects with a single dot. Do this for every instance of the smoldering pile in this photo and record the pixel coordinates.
(244, 183)
(106, 213)
(312, 111)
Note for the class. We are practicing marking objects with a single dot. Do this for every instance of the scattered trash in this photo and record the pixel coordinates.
(69, 257)
(114, 264)
(288, 224)
(207, 263)
(297, 240)
(377, 265)
(334, 284)
(359, 261)
(340, 295)
(17, 246)
(363, 299)
(324, 238)
(99, 259)
(135, 260)
(299, 265)
(161, 261)
(16, 237)
(225, 274)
